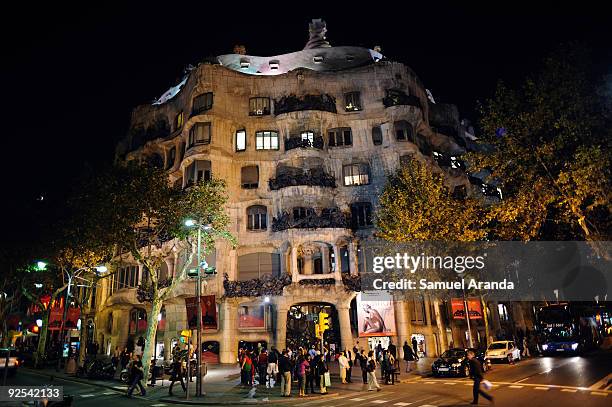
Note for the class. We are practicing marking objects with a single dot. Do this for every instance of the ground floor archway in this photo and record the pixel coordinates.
(301, 321)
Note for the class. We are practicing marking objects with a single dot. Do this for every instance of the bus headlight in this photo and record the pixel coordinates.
(574, 346)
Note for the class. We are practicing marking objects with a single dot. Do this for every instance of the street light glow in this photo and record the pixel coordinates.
(267, 299)
(101, 269)
(159, 317)
(39, 323)
(41, 265)
(190, 223)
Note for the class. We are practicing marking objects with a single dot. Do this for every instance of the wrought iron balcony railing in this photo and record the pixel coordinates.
(293, 103)
(298, 142)
(329, 218)
(310, 178)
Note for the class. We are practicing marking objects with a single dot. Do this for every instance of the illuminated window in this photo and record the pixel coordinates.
(377, 136)
(179, 120)
(361, 214)
(307, 135)
(257, 216)
(352, 101)
(249, 177)
(356, 174)
(503, 312)
(241, 140)
(266, 140)
(197, 171)
(259, 106)
(202, 103)
(340, 137)
(199, 134)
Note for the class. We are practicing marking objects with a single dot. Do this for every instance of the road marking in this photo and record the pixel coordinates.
(87, 395)
(601, 384)
(450, 383)
(569, 390)
(379, 401)
(356, 399)
(599, 393)
(402, 404)
(514, 386)
(107, 393)
(427, 405)
(158, 405)
(542, 388)
(465, 384)
(425, 382)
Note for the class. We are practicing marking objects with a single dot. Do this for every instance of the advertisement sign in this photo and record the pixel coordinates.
(375, 315)
(474, 308)
(209, 311)
(251, 316)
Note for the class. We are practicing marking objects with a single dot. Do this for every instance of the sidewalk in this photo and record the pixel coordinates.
(222, 386)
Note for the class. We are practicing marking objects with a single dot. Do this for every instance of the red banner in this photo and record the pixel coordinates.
(474, 308)
(209, 311)
(56, 315)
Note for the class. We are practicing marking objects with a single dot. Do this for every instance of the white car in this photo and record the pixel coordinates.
(503, 350)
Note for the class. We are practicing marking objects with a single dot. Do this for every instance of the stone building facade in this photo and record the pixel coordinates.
(305, 142)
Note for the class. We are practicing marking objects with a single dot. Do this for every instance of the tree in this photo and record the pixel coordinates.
(416, 206)
(550, 140)
(147, 217)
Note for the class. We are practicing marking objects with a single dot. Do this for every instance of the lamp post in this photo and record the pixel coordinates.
(191, 223)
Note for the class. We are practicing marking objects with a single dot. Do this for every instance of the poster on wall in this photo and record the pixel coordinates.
(209, 311)
(375, 315)
(251, 316)
(474, 308)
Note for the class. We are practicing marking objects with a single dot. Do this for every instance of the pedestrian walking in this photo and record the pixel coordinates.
(310, 373)
(284, 367)
(363, 363)
(272, 367)
(526, 353)
(343, 364)
(124, 358)
(136, 375)
(262, 366)
(303, 368)
(351, 362)
(176, 375)
(247, 368)
(321, 367)
(409, 356)
(371, 368)
(477, 375)
(415, 345)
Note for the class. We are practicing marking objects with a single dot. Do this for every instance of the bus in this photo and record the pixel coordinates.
(566, 329)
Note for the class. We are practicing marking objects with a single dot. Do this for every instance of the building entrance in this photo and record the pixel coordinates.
(301, 321)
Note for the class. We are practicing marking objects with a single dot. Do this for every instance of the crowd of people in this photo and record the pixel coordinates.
(309, 367)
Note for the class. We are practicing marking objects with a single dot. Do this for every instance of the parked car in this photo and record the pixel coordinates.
(13, 361)
(453, 362)
(503, 351)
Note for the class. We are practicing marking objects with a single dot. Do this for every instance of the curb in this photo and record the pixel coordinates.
(243, 400)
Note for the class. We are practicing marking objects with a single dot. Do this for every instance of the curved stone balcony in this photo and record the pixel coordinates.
(329, 218)
(293, 103)
(297, 142)
(296, 176)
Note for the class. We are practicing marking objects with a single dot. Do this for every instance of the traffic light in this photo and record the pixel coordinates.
(318, 334)
(323, 322)
(192, 272)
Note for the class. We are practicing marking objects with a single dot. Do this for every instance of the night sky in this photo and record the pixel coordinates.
(70, 76)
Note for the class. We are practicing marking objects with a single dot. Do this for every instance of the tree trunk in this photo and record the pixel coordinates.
(485, 316)
(82, 340)
(42, 338)
(151, 331)
(441, 328)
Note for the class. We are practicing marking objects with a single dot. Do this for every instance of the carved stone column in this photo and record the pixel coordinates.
(325, 259)
(294, 264)
(353, 261)
(338, 265)
(281, 329)
(402, 323)
(307, 254)
(228, 346)
(346, 335)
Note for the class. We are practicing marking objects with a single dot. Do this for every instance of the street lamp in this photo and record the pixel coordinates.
(191, 223)
(41, 265)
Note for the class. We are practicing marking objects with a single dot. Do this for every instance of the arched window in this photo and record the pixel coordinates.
(257, 217)
(403, 131)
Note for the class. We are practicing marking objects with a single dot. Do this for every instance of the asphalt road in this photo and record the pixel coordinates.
(538, 382)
